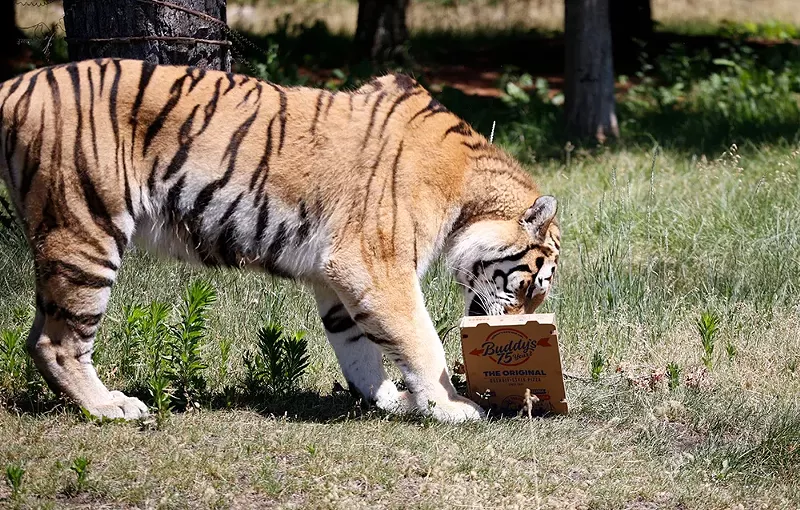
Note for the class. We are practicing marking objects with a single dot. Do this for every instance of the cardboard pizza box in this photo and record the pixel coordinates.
(505, 355)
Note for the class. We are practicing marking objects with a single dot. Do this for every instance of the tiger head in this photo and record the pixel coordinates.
(508, 266)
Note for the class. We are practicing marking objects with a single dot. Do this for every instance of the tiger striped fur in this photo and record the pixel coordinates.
(352, 193)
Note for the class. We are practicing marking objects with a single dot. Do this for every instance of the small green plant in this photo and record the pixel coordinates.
(158, 385)
(708, 328)
(279, 362)
(131, 338)
(155, 332)
(673, 375)
(731, 351)
(225, 345)
(186, 366)
(597, 365)
(80, 466)
(9, 227)
(12, 358)
(14, 474)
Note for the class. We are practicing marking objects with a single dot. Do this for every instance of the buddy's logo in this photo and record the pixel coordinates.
(509, 347)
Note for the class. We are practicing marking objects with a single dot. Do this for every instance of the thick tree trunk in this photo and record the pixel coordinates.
(150, 30)
(10, 37)
(589, 76)
(631, 27)
(381, 33)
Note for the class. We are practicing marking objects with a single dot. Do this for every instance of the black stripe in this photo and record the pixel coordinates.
(278, 243)
(378, 340)
(184, 146)
(99, 261)
(175, 93)
(305, 225)
(361, 317)
(226, 246)
(394, 195)
(404, 82)
(462, 128)
(173, 200)
(477, 146)
(432, 108)
(73, 274)
(231, 83)
(147, 71)
(370, 179)
(256, 89)
(416, 255)
(128, 198)
(281, 114)
(59, 313)
(151, 179)
(97, 208)
(32, 168)
(317, 109)
(375, 106)
(103, 68)
(330, 103)
(262, 170)
(19, 117)
(337, 320)
(263, 220)
(91, 118)
(403, 97)
(55, 155)
(231, 151)
(231, 209)
(185, 137)
(112, 109)
(195, 79)
(50, 219)
(508, 258)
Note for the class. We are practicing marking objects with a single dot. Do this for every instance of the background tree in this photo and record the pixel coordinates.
(381, 32)
(631, 27)
(589, 71)
(158, 31)
(10, 37)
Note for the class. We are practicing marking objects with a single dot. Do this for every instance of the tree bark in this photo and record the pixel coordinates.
(631, 26)
(589, 74)
(10, 37)
(381, 32)
(157, 33)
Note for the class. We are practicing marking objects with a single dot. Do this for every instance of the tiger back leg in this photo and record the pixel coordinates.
(360, 359)
(72, 290)
(391, 312)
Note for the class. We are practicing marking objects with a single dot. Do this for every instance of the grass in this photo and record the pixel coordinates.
(676, 303)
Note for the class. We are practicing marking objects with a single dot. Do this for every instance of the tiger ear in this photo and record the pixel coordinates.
(539, 216)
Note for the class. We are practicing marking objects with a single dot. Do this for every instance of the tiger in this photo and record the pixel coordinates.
(351, 193)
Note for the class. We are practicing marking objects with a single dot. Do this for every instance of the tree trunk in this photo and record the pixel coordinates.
(381, 33)
(10, 38)
(589, 73)
(631, 27)
(150, 31)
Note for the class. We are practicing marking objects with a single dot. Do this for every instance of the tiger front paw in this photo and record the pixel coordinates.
(455, 409)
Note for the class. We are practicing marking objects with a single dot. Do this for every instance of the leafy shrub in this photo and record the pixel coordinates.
(14, 474)
(186, 366)
(708, 328)
(278, 363)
